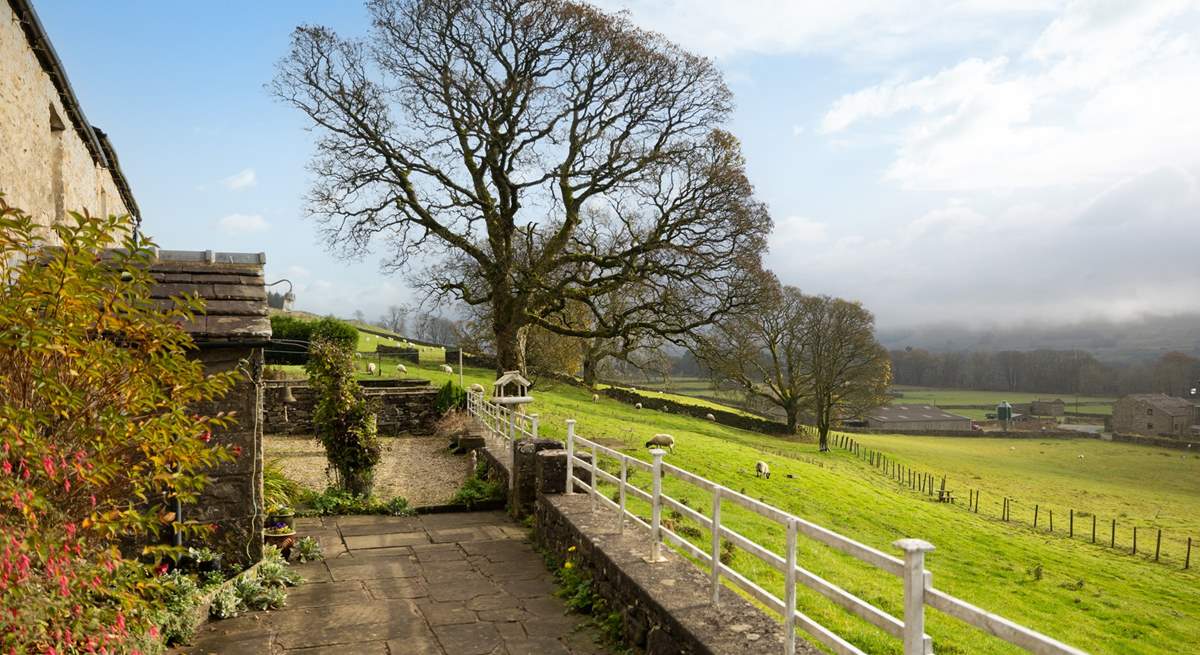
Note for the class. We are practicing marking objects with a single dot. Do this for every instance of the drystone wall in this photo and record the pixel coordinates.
(407, 408)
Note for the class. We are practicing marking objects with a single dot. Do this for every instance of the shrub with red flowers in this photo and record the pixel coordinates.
(95, 436)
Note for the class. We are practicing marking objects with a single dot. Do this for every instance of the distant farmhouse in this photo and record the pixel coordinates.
(54, 160)
(915, 417)
(1155, 414)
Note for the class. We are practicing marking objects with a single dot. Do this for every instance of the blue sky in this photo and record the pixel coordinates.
(976, 161)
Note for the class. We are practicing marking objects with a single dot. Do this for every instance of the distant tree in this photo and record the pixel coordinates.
(764, 352)
(1175, 373)
(395, 320)
(274, 300)
(360, 316)
(494, 133)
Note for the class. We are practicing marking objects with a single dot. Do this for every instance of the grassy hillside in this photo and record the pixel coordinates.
(1094, 598)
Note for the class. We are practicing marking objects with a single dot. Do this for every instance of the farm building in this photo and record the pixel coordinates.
(1044, 407)
(54, 160)
(915, 417)
(1155, 414)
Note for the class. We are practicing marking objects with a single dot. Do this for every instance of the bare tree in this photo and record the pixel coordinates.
(848, 371)
(395, 320)
(763, 352)
(494, 133)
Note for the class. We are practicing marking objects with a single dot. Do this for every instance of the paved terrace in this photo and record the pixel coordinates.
(442, 584)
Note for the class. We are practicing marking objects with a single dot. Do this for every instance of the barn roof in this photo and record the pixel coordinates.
(1169, 405)
(231, 285)
(912, 414)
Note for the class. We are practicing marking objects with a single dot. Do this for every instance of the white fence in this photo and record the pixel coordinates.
(917, 581)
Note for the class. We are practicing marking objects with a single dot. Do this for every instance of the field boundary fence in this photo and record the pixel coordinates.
(1038, 515)
(507, 427)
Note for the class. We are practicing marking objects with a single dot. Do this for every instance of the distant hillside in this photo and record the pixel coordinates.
(1131, 341)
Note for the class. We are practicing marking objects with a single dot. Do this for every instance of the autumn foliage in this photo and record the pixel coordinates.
(95, 436)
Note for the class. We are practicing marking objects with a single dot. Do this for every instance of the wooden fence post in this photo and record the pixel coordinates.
(1035, 515)
(1051, 519)
(1187, 559)
(1157, 544)
(1071, 529)
(1135, 540)
(1093, 528)
(1114, 534)
(914, 594)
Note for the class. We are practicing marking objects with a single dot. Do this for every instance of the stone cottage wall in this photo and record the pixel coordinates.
(406, 409)
(233, 499)
(34, 152)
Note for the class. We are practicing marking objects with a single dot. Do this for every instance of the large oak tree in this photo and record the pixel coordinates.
(544, 152)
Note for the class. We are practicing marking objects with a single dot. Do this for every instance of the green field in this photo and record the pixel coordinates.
(1101, 600)
(958, 397)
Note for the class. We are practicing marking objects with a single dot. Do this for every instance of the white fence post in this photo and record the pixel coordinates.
(533, 425)
(621, 508)
(595, 489)
(914, 594)
(716, 546)
(512, 446)
(656, 506)
(789, 621)
(570, 457)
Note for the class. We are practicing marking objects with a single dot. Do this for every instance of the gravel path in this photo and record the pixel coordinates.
(419, 468)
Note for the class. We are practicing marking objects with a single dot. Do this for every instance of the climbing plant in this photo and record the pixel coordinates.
(342, 419)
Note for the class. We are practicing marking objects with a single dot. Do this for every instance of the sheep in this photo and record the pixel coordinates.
(761, 470)
(661, 440)
(595, 397)
(477, 388)
(637, 406)
(1081, 458)
(710, 417)
(371, 368)
(446, 368)
(401, 369)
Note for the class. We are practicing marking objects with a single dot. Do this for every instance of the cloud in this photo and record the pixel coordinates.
(850, 29)
(1103, 93)
(243, 223)
(241, 180)
(797, 231)
(1125, 252)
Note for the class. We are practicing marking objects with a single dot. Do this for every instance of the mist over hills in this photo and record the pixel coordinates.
(1130, 341)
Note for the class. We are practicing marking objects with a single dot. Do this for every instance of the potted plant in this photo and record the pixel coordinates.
(280, 535)
(280, 513)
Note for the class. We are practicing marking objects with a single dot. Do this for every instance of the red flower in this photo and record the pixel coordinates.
(206, 436)
(237, 451)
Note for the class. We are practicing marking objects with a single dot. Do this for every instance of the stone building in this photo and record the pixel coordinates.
(1154, 414)
(230, 336)
(1045, 407)
(52, 160)
(911, 418)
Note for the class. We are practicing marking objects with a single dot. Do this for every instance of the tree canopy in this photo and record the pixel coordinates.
(541, 153)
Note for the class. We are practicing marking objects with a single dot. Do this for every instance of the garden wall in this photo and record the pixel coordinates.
(663, 607)
(731, 419)
(1161, 442)
(403, 407)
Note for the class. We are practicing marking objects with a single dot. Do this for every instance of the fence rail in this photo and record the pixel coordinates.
(917, 580)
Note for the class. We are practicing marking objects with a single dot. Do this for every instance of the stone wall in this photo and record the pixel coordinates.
(46, 168)
(665, 607)
(469, 359)
(1191, 444)
(407, 354)
(403, 407)
(233, 499)
(731, 419)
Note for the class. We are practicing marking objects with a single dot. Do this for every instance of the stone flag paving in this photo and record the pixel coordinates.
(440, 584)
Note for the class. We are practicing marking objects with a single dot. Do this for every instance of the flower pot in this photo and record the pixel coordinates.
(210, 565)
(287, 518)
(283, 540)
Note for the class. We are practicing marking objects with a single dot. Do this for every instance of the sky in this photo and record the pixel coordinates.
(978, 161)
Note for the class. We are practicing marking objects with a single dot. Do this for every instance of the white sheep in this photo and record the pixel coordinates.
(401, 369)
(762, 470)
(710, 417)
(661, 440)
(1081, 458)
(447, 368)
(595, 397)
(477, 388)
(637, 406)
(371, 368)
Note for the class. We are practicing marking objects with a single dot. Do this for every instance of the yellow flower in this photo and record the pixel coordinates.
(568, 565)
(571, 549)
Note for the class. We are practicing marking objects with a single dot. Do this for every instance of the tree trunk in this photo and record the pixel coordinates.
(591, 363)
(508, 347)
(793, 418)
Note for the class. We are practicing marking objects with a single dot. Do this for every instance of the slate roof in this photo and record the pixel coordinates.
(231, 285)
(1169, 405)
(912, 414)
